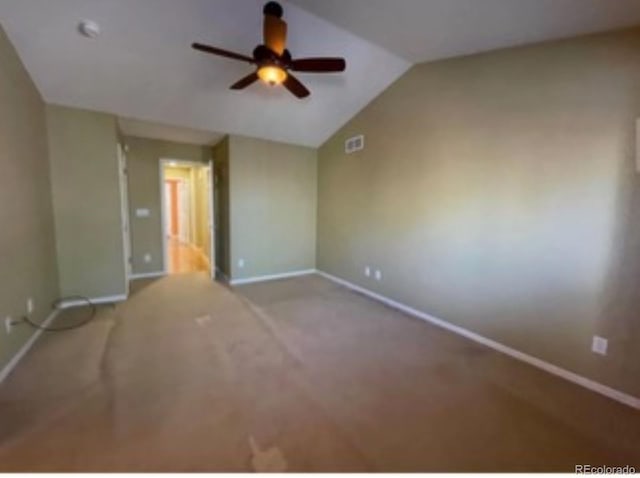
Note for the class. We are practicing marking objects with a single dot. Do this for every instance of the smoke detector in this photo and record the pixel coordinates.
(89, 29)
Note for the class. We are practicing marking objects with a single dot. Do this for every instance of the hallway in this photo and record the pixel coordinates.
(184, 258)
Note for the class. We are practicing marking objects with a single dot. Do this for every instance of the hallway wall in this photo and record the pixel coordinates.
(186, 227)
(221, 206)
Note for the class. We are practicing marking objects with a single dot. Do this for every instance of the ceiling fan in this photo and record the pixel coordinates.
(273, 61)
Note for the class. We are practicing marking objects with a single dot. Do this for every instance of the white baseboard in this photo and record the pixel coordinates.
(286, 275)
(592, 385)
(147, 275)
(95, 300)
(4, 373)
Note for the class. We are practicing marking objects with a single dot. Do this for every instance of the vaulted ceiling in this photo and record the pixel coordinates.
(142, 68)
(426, 30)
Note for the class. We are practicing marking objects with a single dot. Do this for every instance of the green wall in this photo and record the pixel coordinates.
(27, 245)
(272, 200)
(86, 201)
(222, 227)
(499, 192)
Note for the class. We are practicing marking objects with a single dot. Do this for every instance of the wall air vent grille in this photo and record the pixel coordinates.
(354, 144)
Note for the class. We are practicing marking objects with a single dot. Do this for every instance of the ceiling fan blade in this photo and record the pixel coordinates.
(294, 86)
(244, 82)
(220, 52)
(275, 34)
(319, 65)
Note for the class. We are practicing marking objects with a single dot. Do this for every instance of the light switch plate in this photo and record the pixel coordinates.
(143, 212)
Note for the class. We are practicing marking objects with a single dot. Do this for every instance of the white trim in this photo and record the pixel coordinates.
(592, 385)
(184, 162)
(286, 275)
(6, 371)
(123, 184)
(163, 217)
(211, 226)
(638, 145)
(148, 275)
(112, 299)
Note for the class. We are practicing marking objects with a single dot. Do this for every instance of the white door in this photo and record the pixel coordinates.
(124, 213)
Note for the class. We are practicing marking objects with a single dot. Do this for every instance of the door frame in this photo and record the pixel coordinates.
(212, 236)
(123, 181)
(164, 162)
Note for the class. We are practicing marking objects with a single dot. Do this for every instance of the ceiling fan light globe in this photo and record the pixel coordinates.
(272, 75)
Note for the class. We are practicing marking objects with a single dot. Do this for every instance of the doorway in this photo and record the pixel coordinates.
(187, 217)
(124, 213)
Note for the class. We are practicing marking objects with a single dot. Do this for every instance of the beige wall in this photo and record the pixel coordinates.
(86, 202)
(27, 245)
(498, 192)
(272, 207)
(143, 163)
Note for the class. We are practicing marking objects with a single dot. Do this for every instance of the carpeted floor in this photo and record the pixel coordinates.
(294, 375)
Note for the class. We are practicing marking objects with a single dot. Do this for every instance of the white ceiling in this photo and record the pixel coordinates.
(142, 66)
(152, 130)
(425, 30)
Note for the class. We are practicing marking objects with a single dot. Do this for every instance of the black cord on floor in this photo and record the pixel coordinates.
(92, 313)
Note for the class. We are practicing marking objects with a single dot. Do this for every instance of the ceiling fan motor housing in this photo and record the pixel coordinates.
(273, 9)
(264, 56)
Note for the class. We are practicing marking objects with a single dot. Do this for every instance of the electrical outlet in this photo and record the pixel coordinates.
(8, 324)
(599, 345)
(147, 258)
(241, 263)
(367, 271)
(30, 306)
(378, 275)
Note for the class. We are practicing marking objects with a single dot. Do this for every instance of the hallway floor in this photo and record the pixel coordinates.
(296, 375)
(184, 259)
